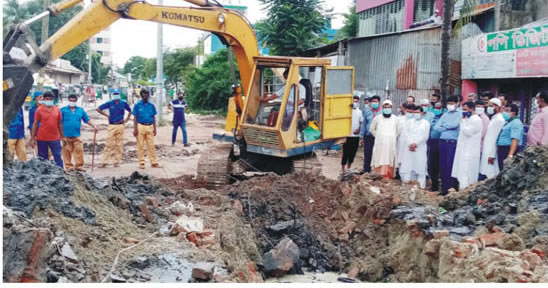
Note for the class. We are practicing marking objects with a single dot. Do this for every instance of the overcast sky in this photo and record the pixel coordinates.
(132, 37)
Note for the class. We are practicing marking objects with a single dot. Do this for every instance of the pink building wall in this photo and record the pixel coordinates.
(468, 86)
(362, 5)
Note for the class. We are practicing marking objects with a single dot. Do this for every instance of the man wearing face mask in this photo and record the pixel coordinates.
(434, 149)
(448, 127)
(145, 129)
(385, 129)
(489, 167)
(366, 138)
(425, 111)
(178, 109)
(352, 141)
(467, 154)
(480, 111)
(50, 132)
(73, 116)
(116, 123)
(414, 136)
(538, 132)
(511, 135)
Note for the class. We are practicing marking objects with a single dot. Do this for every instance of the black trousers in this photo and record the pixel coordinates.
(502, 153)
(369, 142)
(350, 147)
(434, 163)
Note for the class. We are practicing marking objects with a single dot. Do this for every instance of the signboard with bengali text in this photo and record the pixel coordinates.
(513, 53)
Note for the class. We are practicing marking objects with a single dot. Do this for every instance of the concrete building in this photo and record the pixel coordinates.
(102, 44)
(61, 71)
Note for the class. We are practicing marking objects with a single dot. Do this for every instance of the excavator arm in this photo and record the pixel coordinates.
(233, 29)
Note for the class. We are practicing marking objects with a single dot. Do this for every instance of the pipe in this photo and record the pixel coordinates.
(62, 6)
(36, 18)
(201, 3)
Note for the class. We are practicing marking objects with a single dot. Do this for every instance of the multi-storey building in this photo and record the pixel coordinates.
(102, 44)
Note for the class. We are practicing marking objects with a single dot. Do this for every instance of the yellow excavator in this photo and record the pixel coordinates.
(284, 110)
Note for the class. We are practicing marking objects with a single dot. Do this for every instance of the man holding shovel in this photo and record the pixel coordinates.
(72, 117)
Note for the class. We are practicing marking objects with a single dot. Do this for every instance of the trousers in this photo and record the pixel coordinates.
(502, 153)
(447, 156)
(115, 142)
(368, 143)
(54, 146)
(73, 147)
(17, 147)
(145, 136)
(350, 147)
(176, 128)
(434, 163)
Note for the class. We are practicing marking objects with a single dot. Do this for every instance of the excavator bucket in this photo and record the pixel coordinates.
(17, 82)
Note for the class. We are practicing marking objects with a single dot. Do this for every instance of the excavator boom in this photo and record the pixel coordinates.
(231, 27)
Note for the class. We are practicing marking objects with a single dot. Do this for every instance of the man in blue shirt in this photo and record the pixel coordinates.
(434, 148)
(366, 139)
(178, 107)
(16, 137)
(116, 125)
(144, 130)
(511, 135)
(448, 127)
(72, 117)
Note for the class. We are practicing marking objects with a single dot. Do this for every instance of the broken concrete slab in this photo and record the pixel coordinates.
(281, 258)
(203, 271)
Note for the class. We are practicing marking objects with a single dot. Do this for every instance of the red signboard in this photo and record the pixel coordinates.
(532, 62)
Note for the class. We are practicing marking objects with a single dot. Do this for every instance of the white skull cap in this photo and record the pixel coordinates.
(496, 101)
(387, 102)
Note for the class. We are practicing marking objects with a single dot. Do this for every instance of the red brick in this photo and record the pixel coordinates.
(238, 206)
(146, 213)
(192, 238)
(492, 239)
(30, 272)
(538, 252)
(206, 201)
(152, 201)
(353, 273)
(470, 239)
(441, 233)
(432, 247)
(496, 229)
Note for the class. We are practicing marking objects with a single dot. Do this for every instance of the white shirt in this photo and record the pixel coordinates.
(357, 119)
(280, 93)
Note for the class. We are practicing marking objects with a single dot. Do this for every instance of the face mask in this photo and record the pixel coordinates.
(424, 109)
(374, 105)
(466, 114)
(490, 110)
(72, 104)
(180, 98)
(506, 116)
(480, 110)
(354, 105)
(48, 102)
(409, 115)
(43, 102)
(451, 107)
(116, 96)
(417, 116)
(437, 112)
(387, 111)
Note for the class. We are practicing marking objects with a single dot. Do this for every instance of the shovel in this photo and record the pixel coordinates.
(93, 150)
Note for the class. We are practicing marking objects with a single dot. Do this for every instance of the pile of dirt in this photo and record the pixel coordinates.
(57, 242)
(183, 182)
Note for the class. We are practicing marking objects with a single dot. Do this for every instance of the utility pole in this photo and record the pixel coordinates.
(159, 71)
(90, 52)
(43, 38)
(497, 15)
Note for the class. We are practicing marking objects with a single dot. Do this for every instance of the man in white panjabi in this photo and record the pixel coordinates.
(413, 158)
(385, 129)
(489, 166)
(467, 155)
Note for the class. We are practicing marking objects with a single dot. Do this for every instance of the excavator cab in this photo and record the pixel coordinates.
(296, 105)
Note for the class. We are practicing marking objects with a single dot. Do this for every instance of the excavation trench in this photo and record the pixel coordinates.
(72, 227)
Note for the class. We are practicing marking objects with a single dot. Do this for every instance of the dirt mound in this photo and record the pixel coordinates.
(183, 182)
(39, 184)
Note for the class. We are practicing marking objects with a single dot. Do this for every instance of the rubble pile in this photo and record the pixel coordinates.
(99, 148)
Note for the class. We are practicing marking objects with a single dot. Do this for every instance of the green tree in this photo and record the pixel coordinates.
(292, 26)
(149, 70)
(99, 73)
(15, 12)
(210, 86)
(136, 67)
(177, 64)
(350, 27)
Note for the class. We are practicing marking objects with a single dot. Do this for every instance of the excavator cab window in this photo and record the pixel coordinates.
(269, 86)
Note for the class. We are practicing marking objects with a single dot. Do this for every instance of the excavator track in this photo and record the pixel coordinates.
(214, 165)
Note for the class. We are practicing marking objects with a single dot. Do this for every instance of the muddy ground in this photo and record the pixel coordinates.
(70, 227)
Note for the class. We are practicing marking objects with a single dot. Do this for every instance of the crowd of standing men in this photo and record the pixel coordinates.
(459, 144)
(56, 132)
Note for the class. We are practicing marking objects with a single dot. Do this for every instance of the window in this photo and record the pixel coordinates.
(269, 88)
(99, 39)
(289, 109)
(423, 10)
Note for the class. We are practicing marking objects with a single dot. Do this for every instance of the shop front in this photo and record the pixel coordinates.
(512, 62)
